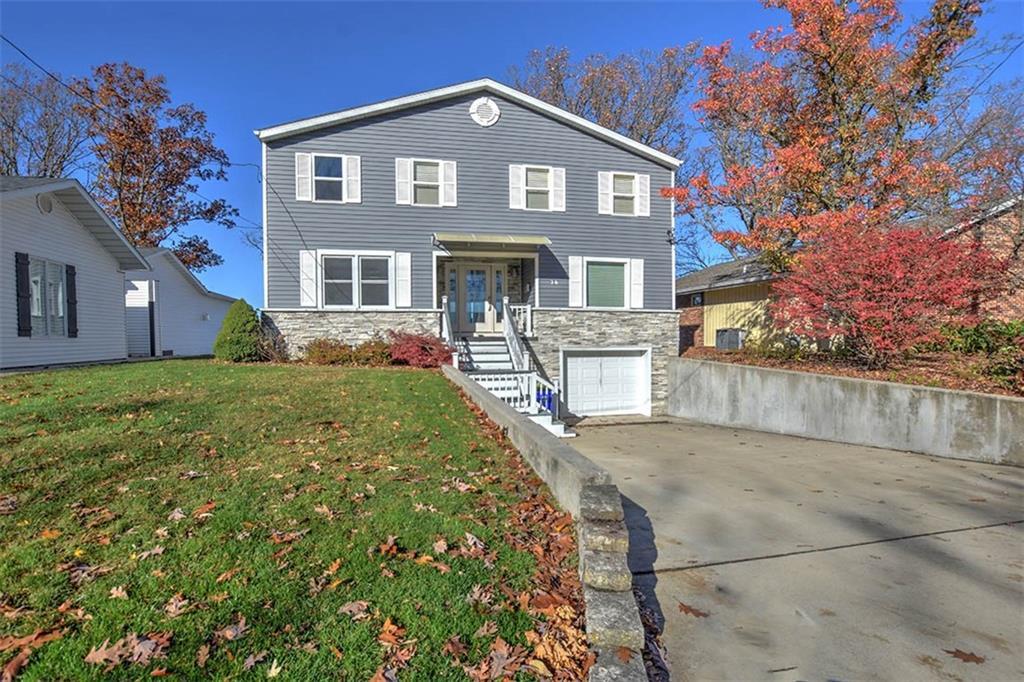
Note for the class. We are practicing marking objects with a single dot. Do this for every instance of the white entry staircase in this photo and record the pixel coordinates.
(501, 364)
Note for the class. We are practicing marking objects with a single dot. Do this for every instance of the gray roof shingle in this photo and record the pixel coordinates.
(741, 271)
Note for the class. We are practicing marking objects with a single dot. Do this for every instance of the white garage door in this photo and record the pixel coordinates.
(607, 382)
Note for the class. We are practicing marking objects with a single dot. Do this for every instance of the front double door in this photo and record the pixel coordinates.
(477, 290)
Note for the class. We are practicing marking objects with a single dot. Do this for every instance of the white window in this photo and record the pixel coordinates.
(611, 283)
(328, 178)
(357, 280)
(536, 188)
(48, 297)
(626, 194)
(425, 182)
(605, 284)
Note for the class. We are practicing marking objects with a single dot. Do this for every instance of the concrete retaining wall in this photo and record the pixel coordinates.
(585, 490)
(932, 421)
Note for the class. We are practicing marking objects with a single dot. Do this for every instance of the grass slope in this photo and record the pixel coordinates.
(95, 462)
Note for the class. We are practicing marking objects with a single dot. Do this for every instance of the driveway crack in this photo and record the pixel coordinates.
(819, 550)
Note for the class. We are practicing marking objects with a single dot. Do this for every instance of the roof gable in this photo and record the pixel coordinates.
(84, 208)
(483, 85)
(186, 274)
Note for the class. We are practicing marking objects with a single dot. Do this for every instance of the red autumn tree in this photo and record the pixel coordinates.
(882, 292)
(150, 156)
(820, 141)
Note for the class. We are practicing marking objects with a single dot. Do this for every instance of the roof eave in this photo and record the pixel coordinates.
(728, 284)
(278, 132)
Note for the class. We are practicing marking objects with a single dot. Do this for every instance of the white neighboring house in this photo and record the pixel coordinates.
(62, 275)
(169, 311)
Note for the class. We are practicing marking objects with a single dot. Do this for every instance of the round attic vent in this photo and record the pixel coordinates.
(44, 203)
(484, 111)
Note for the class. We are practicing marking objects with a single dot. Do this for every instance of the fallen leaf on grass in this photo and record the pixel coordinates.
(965, 656)
(204, 510)
(274, 670)
(156, 551)
(8, 504)
(440, 546)
(228, 574)
(356, 610)
(233, 632)
(14, 665)
(203, 655)
(388, 547)
(486, 630)
(49, 534)
(279, 538)
(134, 649)
(390, 633)
(454, 647)
(176, 606)
(177, 515)
(118, 592)
(252, 659)
(33, 641)
(691, 611)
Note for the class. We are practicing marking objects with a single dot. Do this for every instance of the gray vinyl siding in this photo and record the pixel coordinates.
(445, 131)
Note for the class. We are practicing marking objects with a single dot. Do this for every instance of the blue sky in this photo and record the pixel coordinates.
(253, 64)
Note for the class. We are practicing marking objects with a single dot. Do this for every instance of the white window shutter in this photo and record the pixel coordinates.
(516, 186)
(558, 189)
(403, 181)
(448, 197)
(353, 180)
(575, 281)
(636, 283)
(604, 193)
(307, 278)
(643, 195)
(303, 176)
(403, 279)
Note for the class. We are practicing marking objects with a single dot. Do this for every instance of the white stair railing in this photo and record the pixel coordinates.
(516, 349)
(516, 388)
(447, 332)
(524, 317)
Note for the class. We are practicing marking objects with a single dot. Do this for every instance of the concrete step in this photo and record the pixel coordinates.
(553, 425)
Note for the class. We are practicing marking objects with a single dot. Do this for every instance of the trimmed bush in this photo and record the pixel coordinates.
(419, 350)
(372, 353)
(239, 339)
(988, 336)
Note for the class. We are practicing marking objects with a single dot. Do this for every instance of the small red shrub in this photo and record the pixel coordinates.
(418, 350)
(883, 292)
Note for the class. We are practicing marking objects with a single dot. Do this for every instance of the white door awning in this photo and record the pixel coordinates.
(516, 240)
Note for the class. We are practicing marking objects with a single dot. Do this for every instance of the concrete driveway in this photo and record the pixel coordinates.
(779, 558)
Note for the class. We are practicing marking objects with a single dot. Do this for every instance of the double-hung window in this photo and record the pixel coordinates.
(426, 183)
(357, 281)
(623, 194)
(605, 284)
(329, 178)
(538, 188)
(47, 297)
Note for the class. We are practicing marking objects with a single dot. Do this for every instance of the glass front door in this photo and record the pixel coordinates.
(478, 296)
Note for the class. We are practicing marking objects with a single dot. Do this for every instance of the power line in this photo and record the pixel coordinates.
(974, 89)
(260, 178)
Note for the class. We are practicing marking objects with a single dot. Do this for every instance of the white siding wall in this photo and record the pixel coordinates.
(180, 309)
(136, 301)
(101, 313)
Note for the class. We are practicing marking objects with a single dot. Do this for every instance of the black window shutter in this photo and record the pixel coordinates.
(24, 291)
(72, 289)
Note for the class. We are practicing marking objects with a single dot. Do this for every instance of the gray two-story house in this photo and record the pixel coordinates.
(528, 237)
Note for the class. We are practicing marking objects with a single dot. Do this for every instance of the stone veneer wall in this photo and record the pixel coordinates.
(299, 327)
(555, 329)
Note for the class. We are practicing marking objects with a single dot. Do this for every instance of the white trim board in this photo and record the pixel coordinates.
(283, 130)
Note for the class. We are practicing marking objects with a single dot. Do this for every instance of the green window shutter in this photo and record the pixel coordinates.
(606, 285)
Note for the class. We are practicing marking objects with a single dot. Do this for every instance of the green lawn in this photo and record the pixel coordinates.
(246, 511)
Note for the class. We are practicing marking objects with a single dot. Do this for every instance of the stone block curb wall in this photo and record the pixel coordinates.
(932, 421)
(585, 490)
